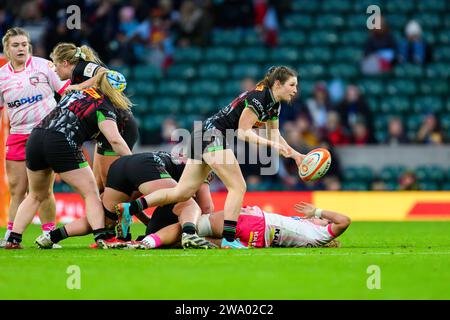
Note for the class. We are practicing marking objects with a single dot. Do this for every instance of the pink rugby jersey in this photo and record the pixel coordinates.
(28, 95)
(282, 231)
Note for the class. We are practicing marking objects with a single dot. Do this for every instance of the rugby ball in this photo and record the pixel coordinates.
(315, 164)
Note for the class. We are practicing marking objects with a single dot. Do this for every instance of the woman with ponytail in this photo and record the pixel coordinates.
(55, 146)
(251, 108)
(83, 67)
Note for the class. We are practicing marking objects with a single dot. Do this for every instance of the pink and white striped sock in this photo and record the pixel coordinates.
(152, 240)
(9, 229)
(47, 227)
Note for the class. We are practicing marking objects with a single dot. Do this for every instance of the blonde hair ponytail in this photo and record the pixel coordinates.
(73, 54)
(119, 99)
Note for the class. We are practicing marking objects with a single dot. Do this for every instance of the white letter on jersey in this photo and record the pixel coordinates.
(374, 280)
(74, 20)
(374, 21)
(74, 280)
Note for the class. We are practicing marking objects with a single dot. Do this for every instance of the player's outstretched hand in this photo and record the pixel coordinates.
(305, 208)
(281, 149)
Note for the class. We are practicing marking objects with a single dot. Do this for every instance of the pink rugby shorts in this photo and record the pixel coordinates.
(15, 147)
(250, 228)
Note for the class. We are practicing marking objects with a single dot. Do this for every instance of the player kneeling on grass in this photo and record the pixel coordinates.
(142, 174)
(259, 229)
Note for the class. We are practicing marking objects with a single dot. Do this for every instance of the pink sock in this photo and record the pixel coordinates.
(47, 227)
(153, 240)
(10, 225)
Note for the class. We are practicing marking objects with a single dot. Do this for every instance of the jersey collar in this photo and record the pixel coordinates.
(26, 65)
(271, 95)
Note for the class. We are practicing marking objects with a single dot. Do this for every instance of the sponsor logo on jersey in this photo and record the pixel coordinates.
(29, 100)
(89, 70)
(275, 237)
(258, 104)
(253, 239)
(94, 94)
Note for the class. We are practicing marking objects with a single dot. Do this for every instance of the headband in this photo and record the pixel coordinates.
(79, 54)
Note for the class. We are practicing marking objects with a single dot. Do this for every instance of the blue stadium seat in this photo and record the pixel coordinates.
(349, 54)
(401, 87)
(442, 53)
(220, 54)
(188, 54)
(142, 88)
(317, 54)
(165, 105)
(231, 37)
(205, 87)
(353, 37)
(323, 38)
(173, 87)
(343, 70)
(184, 71)
(199, 105)
(284, 55)
(243, 70)
(311, 70)
(232, 88)
(145, 72)
(292, 38)
(408, 70)
(253, 54)
(428, 104)
(431, 5)
(399, 6)
(213, 70)
(372, 86)
(391, 173)
(394, 104)
(298, 21)
(329, 21)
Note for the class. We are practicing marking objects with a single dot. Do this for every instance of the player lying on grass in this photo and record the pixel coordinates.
(259, 229)
(144, 173)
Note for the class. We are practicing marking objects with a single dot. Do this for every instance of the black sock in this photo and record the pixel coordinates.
(229, 230)
(58, 234)
(138, 205)
(189, 228)
(15, 237)
(102, 234)
(109, 214)
(111, 232)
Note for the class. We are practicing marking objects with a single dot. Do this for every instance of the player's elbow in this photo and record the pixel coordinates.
(345, 221)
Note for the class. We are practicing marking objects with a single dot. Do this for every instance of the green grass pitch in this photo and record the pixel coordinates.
(413, 260)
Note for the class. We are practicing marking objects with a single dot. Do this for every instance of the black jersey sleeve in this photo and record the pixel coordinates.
(255, 101)
(106, 111)
(83, 71)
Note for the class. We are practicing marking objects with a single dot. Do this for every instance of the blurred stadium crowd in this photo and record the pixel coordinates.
(186, 59)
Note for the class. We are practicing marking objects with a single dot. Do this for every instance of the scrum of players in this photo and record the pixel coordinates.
(46, 137)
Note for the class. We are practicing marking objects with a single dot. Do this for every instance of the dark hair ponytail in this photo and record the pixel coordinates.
(281, 73)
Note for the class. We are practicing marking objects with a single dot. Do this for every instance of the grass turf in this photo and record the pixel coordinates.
(413, 257)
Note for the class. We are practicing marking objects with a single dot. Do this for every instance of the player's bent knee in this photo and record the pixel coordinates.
(41, 196)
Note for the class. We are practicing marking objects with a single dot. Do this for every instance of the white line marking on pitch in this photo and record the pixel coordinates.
(250, 254)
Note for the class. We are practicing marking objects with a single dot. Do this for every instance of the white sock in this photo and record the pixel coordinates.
(7, 233)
